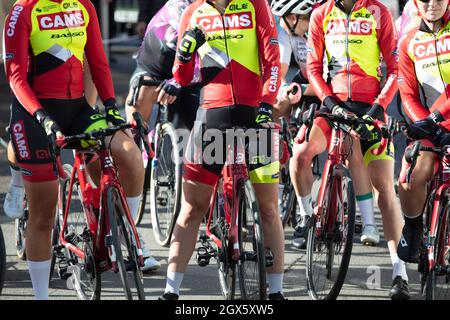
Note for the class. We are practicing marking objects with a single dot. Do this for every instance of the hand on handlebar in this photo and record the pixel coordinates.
(168, 91)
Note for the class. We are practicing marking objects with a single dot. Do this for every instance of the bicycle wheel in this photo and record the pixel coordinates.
(226, 267)
(252, 263)
(288, 204)
(145, 194)
(328, 253)
(437, 281)
(83, 275)
(2, 260)
(20, 233)
(123, 245)
(165, 186)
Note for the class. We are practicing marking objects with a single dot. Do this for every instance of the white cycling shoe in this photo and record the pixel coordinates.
(370, 235)
(150, 263)
(13, 205)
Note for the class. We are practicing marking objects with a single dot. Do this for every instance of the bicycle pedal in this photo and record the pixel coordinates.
(63, 274)
(129, 265)
(203, 256)
(270, 259)
(358, 227)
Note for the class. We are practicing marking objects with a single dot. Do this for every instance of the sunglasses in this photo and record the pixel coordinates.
(427, 1)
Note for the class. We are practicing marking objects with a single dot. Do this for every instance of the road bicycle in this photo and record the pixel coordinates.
(331, 229)
(235, 228)
(94, 231)
(163, 167)
(434, 259)
(289, 206)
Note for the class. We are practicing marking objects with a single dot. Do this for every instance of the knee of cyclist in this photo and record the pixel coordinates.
(194, 212)
(303, 159)
(42, 219)
(269, 212)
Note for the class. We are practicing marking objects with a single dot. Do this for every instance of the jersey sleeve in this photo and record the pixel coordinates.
(95, 54)
(314, 60)
(387, 40)
(16, 48)
(408, 84)
(184, 72)
(285, 47)
(269, 52)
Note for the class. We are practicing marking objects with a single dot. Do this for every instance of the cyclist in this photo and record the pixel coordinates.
(424, 74)
(239, 60)
(294, 22)
(13, 203)
(155, 60)
(352, 34)
(44, 45)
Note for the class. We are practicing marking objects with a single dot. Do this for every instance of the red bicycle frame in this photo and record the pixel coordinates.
(336, 157)
(90, 198)
(234, 171)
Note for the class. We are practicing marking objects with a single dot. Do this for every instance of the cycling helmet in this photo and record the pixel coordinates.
(284, 7)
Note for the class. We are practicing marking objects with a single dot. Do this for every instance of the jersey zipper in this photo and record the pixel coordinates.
(228, 56)
(347, 53)
(438, 64)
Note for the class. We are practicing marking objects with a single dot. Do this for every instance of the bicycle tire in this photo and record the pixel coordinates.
(252, 287)
(226, 268)
(288, 205)
(2, 260)
(342, 239)
(121, 234)
(20, 227)
(145, 194)
(433, 289)
(165, 186)
(85, 276)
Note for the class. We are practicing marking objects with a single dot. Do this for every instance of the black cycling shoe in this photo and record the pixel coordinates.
(408, 248)
(400, 289)
(169, 296)
(277, 296)
(301, 233)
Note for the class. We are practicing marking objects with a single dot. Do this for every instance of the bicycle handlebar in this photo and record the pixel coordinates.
(349, 120)
(142, 82)
(413, 153)
(286, 134)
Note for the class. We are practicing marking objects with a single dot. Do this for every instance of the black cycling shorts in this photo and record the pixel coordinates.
(30, 142)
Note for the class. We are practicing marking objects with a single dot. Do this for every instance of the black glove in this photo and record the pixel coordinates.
(191, 41)
(50, 127)
(264, 113)
(443, 139)
(365, 130)
(425, 128)
(171, 87)
(112, 113)
(376, 112)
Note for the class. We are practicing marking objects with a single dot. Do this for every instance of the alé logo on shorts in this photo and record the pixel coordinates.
(432, 48)
(61, 20)
(233, 21)
(18, 133)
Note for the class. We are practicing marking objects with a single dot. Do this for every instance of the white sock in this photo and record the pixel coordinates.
(133, 205)
(365, 204)
(16, 176)
(39, 273)
(305, 204)
(398, 267)
(173, 282)
(275, 281)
